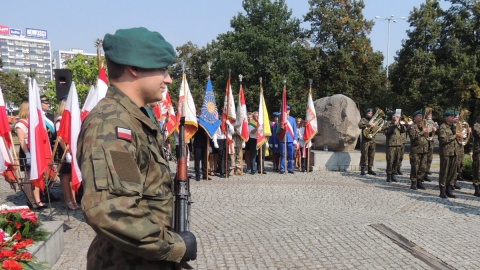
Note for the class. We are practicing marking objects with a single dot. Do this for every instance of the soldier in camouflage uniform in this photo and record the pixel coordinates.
(394, 133)
(431, 145)
(368, 144)
(402, 151)
(447, 138)
(418, 150)
(128, 198)
(476, 157)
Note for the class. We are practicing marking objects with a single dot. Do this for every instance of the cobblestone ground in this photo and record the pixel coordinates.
(319, 220)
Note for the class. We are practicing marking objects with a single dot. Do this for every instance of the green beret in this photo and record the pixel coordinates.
(457, 112)
(138, 47)
(449, 113)
(368, 110)
(417, 112)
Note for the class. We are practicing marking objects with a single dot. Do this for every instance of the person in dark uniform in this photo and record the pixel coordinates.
(200, 153)
(368, 144)
(418, 133)
(447, 137)
(128, 198)
(394, 132)
(273, 141)
(476, 157)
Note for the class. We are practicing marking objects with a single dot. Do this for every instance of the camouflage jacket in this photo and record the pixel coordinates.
(395, 134)
(128, 197)
(363, 124)
(476, 138)
(447, 140)
(418, 139)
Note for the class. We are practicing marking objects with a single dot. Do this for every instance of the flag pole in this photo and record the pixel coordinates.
(285, 135)
(226, 119)
(98, 44)
(307, 143)
(240, 77)
(261, 147)
(209, 64)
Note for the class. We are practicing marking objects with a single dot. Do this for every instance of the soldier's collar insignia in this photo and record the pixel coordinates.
(124, 134)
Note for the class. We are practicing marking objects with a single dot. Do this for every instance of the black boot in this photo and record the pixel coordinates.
(399, 172)
(449, 192)
(456, 186)
(459, 177)
(442, 192)
(362, 170)
(389, 177)
(371, 172)
(393, 178)
(477, 191)
(413, 185)
(420, 185)
(427, 179)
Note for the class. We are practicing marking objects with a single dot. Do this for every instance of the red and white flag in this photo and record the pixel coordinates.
(69, 130)
(242, 120)
(96, 93)
(229, 103)
(186, 108)
(166, 113)
(310, 120)
(285, 125)
(6, 159)
(39, 144)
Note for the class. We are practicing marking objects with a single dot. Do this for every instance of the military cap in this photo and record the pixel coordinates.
(457, 112)
(276, 113)
(449, 113)
(138, 47)
(369, 110)
(417, 112)
(288, 107)
(44, 99)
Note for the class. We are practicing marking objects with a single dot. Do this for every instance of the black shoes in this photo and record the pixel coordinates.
(393, 178)
(389, 178)
(370, 171)
(362, 169)
(477, 191)
(442, 193)
(292, 172)
(413, 185)
(427, 179)
(420, 185)
(449, 192)
(399, 172)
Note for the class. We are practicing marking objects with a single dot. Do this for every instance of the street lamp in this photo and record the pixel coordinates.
(389, 19)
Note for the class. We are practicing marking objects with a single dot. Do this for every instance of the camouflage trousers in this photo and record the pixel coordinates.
(460, 158)
(476, 168)
(368, 153)
(430, 155)
(400, 160)
(448, 170)
(394, 154)
(418, 163)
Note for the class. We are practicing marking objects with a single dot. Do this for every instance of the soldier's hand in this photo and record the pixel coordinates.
(459, 135)
(191, 245)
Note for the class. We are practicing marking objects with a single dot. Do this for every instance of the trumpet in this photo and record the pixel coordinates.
(429, 123)
(406, 120)
(463, 126)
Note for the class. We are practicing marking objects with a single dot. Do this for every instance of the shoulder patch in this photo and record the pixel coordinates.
(124, 133)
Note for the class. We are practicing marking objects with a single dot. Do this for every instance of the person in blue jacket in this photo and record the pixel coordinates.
(291, 143)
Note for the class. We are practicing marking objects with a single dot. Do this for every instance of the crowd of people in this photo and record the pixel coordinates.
(227, 154)
(452, 135)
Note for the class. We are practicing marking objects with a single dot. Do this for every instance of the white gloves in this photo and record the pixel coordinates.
(68, 158)
(243, 145)
(215, 145)
(276, 145)
(267, 145)
(28, 158)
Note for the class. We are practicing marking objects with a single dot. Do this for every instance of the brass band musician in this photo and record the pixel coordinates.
(394, 132)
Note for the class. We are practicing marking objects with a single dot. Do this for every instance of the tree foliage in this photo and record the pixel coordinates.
(13, 87)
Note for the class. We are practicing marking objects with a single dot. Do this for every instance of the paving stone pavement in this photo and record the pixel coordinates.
(319, 220)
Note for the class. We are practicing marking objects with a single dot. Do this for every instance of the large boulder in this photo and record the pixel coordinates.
(337, 118)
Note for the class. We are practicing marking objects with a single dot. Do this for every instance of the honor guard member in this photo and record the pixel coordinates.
(460, 155)
(128, 197)
(447, 138)
(418, 150)
(394, 132)
(273, 141)
(291, 144)
(476, 157)
(368, 144)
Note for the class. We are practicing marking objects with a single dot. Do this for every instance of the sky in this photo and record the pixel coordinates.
(77, 24)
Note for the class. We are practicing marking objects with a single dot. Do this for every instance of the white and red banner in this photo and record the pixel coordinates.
(263, 123)
(284, 126)
(6, 159)
(229, 103)
(39, 144)
(242, 120)
(310, 120)
(187, 109)
(166, 113)
(96, 93)
(69, 130)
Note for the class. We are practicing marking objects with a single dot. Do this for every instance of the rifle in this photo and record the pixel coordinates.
(181, 212)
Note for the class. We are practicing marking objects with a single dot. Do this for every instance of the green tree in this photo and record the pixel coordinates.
(342, 60)
(416, 75)
(13, 87)
(263, 43)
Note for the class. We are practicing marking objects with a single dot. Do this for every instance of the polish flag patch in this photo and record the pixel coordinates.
(124, 133)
